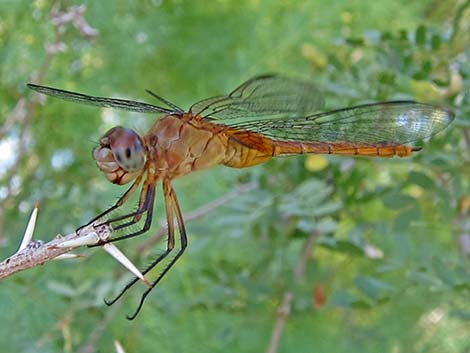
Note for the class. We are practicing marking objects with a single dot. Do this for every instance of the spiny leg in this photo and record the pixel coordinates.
(147, 208)
(168, 190)
(136, 215)
(169, 248)
(118, 203)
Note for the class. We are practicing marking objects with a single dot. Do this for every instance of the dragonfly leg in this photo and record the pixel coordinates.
(136, 215)
(169, 248)
(170, 196)
(118, 203)
(147, 208)
(147, 197)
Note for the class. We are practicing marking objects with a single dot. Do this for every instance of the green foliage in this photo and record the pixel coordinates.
(386, 233)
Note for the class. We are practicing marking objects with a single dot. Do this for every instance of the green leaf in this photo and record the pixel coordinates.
(426, 68)
(326, 225)
(342, 298)
(403, 34)
(396, 200)
(443, 272)
(421, 179)
(323, 226)
(347, 300)
(405, 219)
(462, 286)
(341, 246)
(386, 77)
(309, 199)
(375, 289)
(436, 42)
(362, 304)
(67, 290)
(420, 36)
(386, 36)
(327, 208)
(425, 279)
(460, 315)
(355, 41)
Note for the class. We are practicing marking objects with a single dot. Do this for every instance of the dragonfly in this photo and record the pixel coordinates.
(265, 117)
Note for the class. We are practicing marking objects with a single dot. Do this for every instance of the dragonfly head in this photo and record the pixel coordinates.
(120, 155)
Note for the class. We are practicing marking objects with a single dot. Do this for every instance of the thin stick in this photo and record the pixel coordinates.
(37, 252)
(466, 138)
(282, 314)
(34, 252)
(285, 307)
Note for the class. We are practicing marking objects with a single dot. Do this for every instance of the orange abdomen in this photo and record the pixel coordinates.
(249, 148)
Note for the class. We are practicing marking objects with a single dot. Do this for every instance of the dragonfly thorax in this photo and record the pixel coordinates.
(120, 155)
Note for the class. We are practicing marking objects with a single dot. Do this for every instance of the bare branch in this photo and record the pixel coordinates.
(285, 307)
(466, 138)
(37, 252)
(304, 256)
(282, 314)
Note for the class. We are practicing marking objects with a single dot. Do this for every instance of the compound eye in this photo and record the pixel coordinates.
(127, 148)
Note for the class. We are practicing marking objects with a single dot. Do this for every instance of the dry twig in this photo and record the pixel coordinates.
(285, 307)
(35, 252)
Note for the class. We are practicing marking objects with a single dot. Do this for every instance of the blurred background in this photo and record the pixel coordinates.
(301, 254)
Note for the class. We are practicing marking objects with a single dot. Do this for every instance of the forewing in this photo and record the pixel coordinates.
(124, 104)
(388, 123)
(263, 97)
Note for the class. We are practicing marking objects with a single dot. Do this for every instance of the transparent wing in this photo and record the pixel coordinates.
(133, 106)
(387, 123)
(263, 97)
